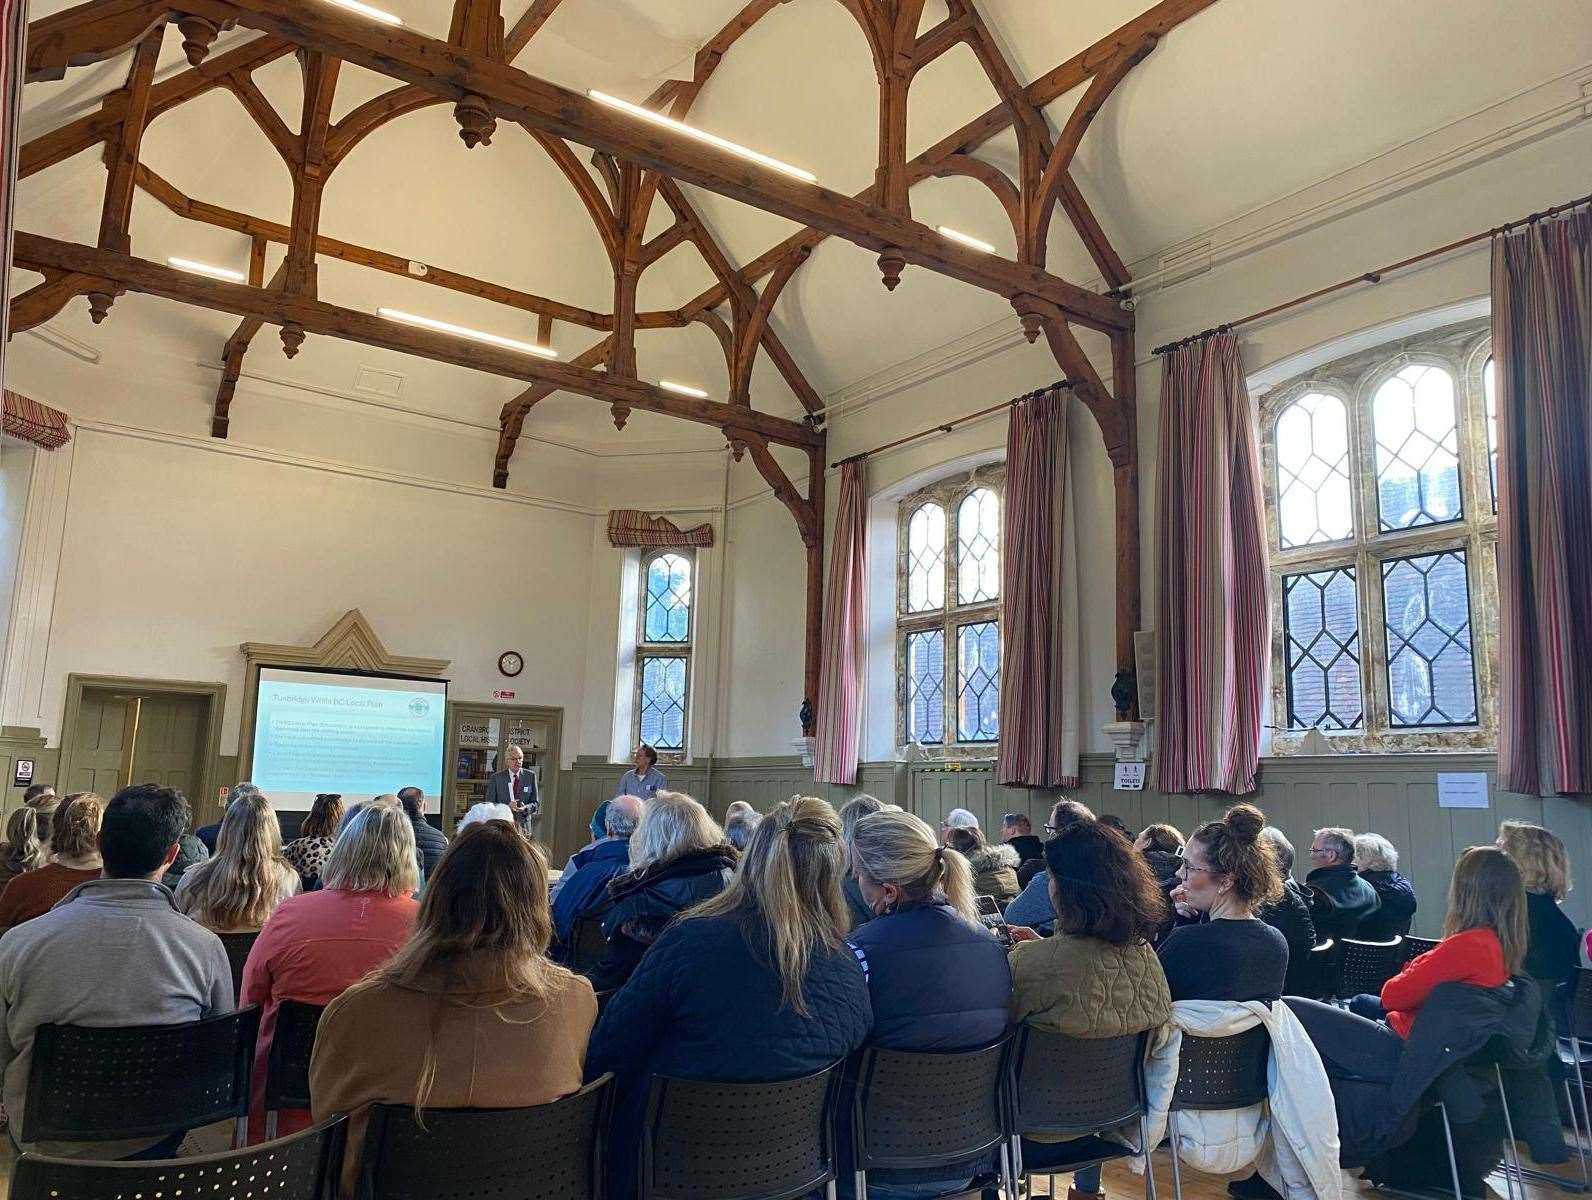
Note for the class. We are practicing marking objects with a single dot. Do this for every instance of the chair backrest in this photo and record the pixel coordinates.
(93, 1084)
(302, 1166)
(547, 1152)
(1224, 1072)
(586, 944)
(738, 1141)
(928, 1109)
(1414, 947)
(1579, 1004)
(1366, 966)
(1314, 977)
(1066, 1086)
(287, 1072)
(238, 946)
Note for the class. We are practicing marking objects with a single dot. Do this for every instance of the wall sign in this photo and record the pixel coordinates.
(1128, 777)
(500, 694)
(23, 776)
(1462, 789)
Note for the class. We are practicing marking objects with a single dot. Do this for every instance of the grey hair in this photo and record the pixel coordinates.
(672, 825)
(740, 823)
(1339, 840)
(1373, 852)
(854, 810)
(239, 790)
(480, 813)
(621, 818)
(374, 852)
(960, 818)
(1283, 847)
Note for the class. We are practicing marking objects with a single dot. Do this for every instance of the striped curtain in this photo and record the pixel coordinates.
(632, 527)
(1542, 351)
(838, 736)
(1039, 601)
(13, 57)
(1212, 621)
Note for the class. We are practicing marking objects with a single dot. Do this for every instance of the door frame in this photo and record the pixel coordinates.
(214, 695)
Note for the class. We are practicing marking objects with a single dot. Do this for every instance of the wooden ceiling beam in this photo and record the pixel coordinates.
(232, 363)
(511, 420)
(121, 161)
(89, 33)
(309, 185)
(44, 301)
(265, 116)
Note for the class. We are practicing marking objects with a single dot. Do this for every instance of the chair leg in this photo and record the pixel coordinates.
(1009, 1169)
(1453, 1163)
(1177, 1170)
(1149, 1162)
(1575, 1129)
(1512, 1170)
(829, 1191)
(859, 1182)
(270, 1125)
(240, 1133)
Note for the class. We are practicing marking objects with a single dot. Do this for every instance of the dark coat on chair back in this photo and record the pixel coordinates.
(1340, 901)
(587, 888)
(1290, 917)
(641, 904)
(707, 1003)
(1395, 910)
(1030, 855)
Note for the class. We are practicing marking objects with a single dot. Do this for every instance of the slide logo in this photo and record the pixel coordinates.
(419, 706)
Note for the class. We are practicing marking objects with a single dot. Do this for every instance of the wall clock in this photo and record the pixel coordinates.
(511, 663)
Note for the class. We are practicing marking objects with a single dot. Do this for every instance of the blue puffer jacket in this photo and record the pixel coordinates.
(706, 1003)
(588, 887)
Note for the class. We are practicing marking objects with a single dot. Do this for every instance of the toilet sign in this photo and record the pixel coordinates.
(1129, 777)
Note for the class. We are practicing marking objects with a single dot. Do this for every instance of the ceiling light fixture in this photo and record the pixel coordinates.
(365, 10)
(712, 139)
(957, 235)
(199, 268)
(476, 335)
(682, 389)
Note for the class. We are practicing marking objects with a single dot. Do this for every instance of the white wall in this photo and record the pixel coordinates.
(16, 477)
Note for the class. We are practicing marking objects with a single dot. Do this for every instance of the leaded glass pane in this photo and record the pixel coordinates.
(926, 687)
(926, 559)
(978, 683)
(1321, 619)
(1430, 666)
(978, 547)
(1488, 383)
(1313, 494)
(668, 606)
(663, 702)
(1417, 448)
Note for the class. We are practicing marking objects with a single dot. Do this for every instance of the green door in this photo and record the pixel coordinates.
(123, 737)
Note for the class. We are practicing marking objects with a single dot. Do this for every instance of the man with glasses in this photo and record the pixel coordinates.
(1339, 899)
(1032, 906)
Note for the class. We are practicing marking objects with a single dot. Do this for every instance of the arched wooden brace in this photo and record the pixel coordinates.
(43, 301)
(89, 33)
(511, 420)
(750, 328)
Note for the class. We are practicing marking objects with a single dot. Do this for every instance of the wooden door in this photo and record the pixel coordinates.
(100, 741)
(143, 737)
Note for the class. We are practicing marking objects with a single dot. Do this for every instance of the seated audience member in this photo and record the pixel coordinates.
(1112, 821)
(308, 852)
(957, 818)
(484, 811)
(1098, 977)
(74, 859)
(1290, 916)
(678, 859)
(430, 843)
(317, 944)
(1378, 864)
(190, 853)
(1162, 847)
(1227, 876)
(1553, 947)
(599, 832)
(1339, 899)
(41, 798)
(1484, 943)
(115, 951)
(23, 851)
(1017, 831)
(851, 812)
(208, 833)
(740, 822)
(1032, 907)
(765, 956)
(238, 888)
(469, 1013)
(587, 889)
(994, 867)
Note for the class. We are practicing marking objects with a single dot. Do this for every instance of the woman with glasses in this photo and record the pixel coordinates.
(1032, 908)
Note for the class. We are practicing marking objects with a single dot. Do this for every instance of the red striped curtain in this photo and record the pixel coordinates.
(1212, 621)
(1039, 731)
(1542, 351)
(838, 736)
(13, 53)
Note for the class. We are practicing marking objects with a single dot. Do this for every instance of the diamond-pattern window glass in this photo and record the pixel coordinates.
(1313, 493)
(978, 547)
(926, 559)
(926, 687)
(663, 702)
(1431, 671)
(1488, 383)
(1321, 621)
(668, 611)
(978, 683)
(1417, 448)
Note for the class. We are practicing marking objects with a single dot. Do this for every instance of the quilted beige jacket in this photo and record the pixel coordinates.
(1087, 988)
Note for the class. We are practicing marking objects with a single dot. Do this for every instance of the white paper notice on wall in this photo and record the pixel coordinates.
(1462, 789)
(1129, 777)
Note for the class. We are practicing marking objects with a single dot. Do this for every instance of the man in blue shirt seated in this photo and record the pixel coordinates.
(586, 890)
(644, 780)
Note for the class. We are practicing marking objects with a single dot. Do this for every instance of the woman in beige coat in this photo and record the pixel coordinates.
(469, 1013)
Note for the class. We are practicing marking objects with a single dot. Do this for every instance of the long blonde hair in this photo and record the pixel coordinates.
(239, 887)
(374, 851)
(1487, 893)
(1540, 855)
(74, 831)
(899, 848)
(23, 850)
(787, 891)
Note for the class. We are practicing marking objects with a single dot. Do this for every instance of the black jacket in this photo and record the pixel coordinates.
(1290, 917)
(856, 907)
(1340, 901)
(1395, 910)
(1554, 949)
(1030, 848)
(430, 845)
(640, 904)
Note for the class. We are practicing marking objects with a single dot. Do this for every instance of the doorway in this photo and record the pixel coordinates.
(121, 731)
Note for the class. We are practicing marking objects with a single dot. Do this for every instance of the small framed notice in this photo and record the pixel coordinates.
(1129, 777)
(23, 775)
(1462, 789)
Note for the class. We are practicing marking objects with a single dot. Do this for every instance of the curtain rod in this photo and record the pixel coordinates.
(1373, 276)
(946, 427)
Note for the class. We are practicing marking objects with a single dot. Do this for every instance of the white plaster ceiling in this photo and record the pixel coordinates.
(1246, 102)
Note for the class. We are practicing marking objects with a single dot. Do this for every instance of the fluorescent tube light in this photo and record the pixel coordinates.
(476, 335)
(365, 10)
(656, 118)
(199, 268)
(957, 235)
(682, 389)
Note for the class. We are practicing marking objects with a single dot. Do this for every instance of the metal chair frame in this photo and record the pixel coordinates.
(1175, 1107)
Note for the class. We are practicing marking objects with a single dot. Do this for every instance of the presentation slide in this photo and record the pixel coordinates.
(358, 735)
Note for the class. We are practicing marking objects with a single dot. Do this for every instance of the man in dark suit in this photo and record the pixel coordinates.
(516, 787)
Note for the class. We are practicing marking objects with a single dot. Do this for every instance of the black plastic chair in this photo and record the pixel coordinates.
(587, 945)
(1363, 967)
(287, 1071)
(547, 1152)
(238, 946)
(918, 1110)
(1215, 1074)
(704, 1140)
(1414, 947)
(1078, 1089)
(1575, 1052)
(302, 1166)
(1315, 981)
(108, 1084)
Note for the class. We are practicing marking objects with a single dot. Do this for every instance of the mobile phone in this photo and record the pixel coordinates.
(989, 912)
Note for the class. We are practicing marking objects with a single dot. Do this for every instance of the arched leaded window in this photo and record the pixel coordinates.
(1381, 507)
(948, 611)
(663, 648)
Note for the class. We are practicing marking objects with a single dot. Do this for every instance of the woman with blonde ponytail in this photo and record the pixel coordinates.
(754, 984)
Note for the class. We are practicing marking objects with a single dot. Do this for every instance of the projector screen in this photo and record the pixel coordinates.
(358, 735)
